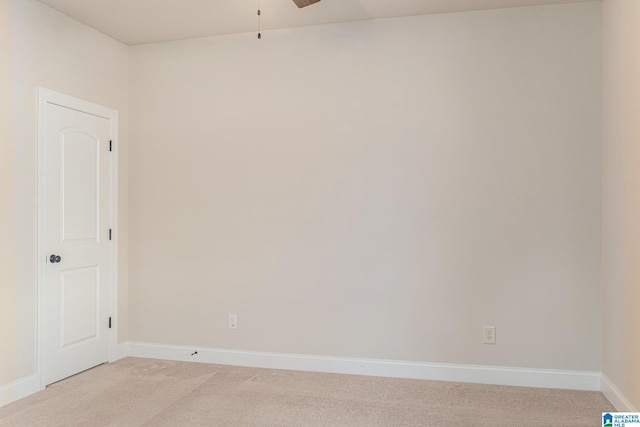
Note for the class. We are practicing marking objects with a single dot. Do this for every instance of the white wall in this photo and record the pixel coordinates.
(621, 202)
(375, 189)
(7, 284)
(41, 47)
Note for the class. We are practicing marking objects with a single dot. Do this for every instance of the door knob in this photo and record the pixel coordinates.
(55, 258)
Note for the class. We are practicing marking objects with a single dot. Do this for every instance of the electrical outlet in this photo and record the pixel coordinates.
(489, 335)
(233, 321)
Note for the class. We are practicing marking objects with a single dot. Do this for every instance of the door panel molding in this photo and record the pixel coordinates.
(48, 97)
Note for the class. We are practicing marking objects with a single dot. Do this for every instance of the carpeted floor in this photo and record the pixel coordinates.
(134, 392)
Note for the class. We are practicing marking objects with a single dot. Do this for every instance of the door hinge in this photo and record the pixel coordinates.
(110, 145)
(109, 322)
(109, 234)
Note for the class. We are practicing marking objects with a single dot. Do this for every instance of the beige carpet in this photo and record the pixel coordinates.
(134, 392)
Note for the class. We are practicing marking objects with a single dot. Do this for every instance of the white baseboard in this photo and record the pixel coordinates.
(122, 350)
(19, 389)
(615, 396)
(574, 380)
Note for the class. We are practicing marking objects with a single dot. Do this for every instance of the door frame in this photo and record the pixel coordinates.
(45, 97)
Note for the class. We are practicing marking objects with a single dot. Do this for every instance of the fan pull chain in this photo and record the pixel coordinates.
(259, 22)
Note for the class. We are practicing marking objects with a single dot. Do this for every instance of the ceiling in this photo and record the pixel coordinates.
(150, 21)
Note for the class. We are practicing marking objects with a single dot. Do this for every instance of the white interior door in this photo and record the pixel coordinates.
(77, 222)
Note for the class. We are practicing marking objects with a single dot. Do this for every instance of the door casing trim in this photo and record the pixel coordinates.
(46, 96)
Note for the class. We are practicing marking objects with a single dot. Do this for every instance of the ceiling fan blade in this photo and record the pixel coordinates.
(303, 3)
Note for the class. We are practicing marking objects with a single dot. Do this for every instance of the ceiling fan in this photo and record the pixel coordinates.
(304, 3)
(299, 3)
